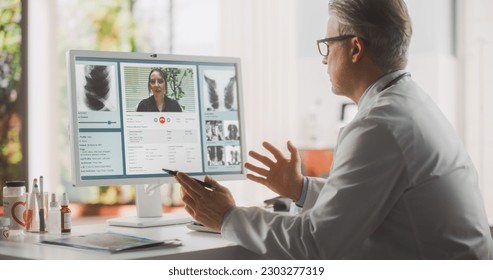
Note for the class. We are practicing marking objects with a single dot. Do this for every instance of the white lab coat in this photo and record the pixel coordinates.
(402, 186)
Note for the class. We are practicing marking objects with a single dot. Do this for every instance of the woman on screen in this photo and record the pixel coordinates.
(158, 101)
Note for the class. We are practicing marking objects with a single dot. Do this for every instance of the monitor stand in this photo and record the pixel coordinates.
(150, 211)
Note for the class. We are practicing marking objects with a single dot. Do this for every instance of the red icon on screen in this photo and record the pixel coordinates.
(162, 120)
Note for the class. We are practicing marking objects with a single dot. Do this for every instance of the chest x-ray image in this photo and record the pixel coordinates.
(96, 89)
(220, 93)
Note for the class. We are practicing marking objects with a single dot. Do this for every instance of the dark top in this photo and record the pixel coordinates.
(149, 105)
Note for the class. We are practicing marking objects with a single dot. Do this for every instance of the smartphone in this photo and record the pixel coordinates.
(199, 227)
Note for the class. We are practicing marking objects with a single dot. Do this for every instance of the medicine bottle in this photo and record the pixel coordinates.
(66, 215)
(14, 203)
(4, 228)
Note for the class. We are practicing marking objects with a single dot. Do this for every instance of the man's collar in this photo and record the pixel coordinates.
(379, 85)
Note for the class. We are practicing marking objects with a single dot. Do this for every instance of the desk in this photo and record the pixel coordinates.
(196, 245)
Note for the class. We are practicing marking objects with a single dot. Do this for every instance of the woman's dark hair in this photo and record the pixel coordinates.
(161, 72)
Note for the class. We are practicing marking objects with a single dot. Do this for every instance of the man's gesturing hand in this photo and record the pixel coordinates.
(283, 175)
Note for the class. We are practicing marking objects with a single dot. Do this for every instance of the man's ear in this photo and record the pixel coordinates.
(355, 50)
(358, 49)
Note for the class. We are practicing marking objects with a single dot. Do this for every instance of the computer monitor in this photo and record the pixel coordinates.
(122, 134)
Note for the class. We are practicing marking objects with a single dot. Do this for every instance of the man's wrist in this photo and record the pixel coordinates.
(226, 215)
(304, 188)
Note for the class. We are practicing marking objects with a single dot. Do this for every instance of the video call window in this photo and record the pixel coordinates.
(142, 83)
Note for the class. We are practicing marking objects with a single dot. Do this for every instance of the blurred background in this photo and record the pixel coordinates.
(286, 89)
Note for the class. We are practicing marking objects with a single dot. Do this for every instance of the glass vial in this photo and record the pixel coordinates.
(54, 216)
(66, 215)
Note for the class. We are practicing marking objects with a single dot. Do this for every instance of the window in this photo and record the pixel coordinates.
(476, 53)
(13, 132)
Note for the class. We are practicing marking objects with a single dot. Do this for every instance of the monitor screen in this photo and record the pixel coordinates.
(133, 114)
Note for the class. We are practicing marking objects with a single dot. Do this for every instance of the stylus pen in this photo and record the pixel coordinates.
(202, 183)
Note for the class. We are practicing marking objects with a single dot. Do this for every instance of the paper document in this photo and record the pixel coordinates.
(112, 242)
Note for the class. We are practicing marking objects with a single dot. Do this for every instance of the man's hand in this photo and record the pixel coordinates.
(282, 176)
(206, 207)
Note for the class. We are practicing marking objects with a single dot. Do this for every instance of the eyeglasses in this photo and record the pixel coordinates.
(323, 46)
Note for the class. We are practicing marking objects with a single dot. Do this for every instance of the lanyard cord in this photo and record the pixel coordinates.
(394, 81)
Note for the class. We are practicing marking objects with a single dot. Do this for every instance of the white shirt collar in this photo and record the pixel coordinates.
(379, 85)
